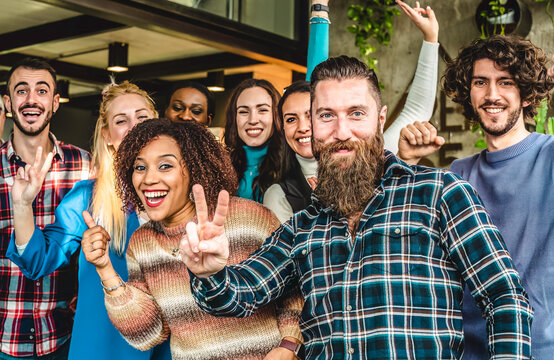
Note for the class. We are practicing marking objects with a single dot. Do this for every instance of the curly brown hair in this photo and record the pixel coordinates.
(523, 60)
(207, 162)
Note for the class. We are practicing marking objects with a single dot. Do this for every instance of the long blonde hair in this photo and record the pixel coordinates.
(106, 206)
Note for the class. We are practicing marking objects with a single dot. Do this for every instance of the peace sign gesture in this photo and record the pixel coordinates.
(205, 248)
(29, 179)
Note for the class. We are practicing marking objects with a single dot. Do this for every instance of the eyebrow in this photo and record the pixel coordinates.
(159, 157)
(258, 105)
(26, 83)
(184, 103)
(350, 108)
(136, 111)
(486, 78)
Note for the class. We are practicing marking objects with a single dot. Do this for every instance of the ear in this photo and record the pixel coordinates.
(525, 103)
(56, 103)
(383, 117)
(7, 104)
(210, 119)
(105, 135)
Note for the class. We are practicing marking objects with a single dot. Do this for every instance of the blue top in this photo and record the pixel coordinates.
(93, 336)
(393, 288)
(254, 157)
(516, 186)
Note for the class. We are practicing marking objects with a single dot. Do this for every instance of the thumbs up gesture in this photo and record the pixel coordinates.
(95, 243)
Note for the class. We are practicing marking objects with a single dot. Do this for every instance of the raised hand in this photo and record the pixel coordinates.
(205, 247)
(29, 179)
(95, 243)
(418, 140)
(428, 24)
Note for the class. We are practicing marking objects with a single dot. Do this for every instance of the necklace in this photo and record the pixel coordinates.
(175, 251)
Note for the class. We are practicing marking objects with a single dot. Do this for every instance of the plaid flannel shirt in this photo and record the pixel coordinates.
(394, 289)
(35, 318)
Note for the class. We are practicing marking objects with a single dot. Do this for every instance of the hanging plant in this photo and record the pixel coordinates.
(547, 9)
(374, 26)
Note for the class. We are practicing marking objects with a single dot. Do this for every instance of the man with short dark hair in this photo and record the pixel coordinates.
(382, 252)
(500, 82)
(35, 318)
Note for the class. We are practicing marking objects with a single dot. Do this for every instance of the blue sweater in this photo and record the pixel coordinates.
(516, 185)
(93, 336)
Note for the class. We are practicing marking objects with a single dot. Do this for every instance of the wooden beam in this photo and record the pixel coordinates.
(66, 29)
(201, 27)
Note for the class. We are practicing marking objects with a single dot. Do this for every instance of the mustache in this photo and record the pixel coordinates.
(340, 145)
(492, 103)
(31, 106)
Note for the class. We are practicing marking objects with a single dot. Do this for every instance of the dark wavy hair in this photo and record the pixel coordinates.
(207, 162)
(289, 164)
(523, 60)
(269, 167)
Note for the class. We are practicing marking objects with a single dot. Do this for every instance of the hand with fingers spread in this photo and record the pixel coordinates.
(428, 24)
(29, 179)
(418, 140)
(205, 248)
(95, 243)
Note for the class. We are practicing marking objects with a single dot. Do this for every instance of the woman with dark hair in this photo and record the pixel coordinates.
(191, 101)
(253, 136)
(157, 163)
(298, 171)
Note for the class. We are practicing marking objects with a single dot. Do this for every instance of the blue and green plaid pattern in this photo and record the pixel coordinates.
(394, 289)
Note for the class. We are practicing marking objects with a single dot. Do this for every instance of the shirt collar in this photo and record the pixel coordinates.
(13, 157)
(393, 167)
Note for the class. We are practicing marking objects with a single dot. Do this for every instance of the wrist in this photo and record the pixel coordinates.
(293, 345)
(431, 38)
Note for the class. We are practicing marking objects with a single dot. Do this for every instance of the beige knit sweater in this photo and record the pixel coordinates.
(158, 303)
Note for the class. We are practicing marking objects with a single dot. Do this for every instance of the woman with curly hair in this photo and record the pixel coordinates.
(42, 252)
(157, 163)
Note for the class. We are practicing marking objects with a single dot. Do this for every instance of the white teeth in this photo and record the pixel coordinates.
(31, 113)
(493, 111)
(155, 194)
(254, 131)
(305, 140)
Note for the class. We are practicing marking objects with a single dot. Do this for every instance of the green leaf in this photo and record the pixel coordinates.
(481, 144)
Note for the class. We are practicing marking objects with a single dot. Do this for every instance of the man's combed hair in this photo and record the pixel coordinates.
(207, 162)
(523, 60)
(34, 64)
(345, 67)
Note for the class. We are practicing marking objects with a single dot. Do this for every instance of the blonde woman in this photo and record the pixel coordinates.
(39, 253)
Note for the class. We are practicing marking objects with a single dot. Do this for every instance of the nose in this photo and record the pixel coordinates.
(492, 92)
(252, 118)
(150, 176)
(342, 129)
(304, 124)
(186, 115)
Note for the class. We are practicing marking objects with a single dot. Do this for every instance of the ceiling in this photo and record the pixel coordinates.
(163, 47)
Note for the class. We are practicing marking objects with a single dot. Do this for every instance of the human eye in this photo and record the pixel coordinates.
(197, 111)
(290, 119)
(357, 113)
(326, 116)
(243, 112)
(139, 167)
(21, 91)
(507, 83)
(42, 91)
(478, 82)
(177, 108)
(166, 166)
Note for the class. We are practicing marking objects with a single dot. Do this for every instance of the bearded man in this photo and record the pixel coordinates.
(381, 254)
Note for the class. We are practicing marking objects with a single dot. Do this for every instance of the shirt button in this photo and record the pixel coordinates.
(350, 270)
(31, 337)
(397, 231)
(39, 200)
(349, 308)
(38, 283)
(351, 351)
(304, 252)
(32, 330)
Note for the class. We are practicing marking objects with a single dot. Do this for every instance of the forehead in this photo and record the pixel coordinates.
(31, 77)
(254, 95)
(127, 102)
(160, 146)
(333, 93)
(298, 99)
(189, 95)
(489, 69)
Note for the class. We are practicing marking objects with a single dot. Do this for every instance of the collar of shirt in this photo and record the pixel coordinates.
(14, 158)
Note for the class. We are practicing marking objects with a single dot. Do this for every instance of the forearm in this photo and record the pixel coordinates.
(318, 44)
(421, 97)
(23, 222)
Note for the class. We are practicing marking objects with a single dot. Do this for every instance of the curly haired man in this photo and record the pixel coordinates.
(500, 82)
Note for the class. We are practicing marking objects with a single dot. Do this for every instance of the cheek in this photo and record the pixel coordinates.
(290, 130)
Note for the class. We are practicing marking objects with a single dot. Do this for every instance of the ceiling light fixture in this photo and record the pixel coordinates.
(216, 81)
(118, 56)
(63, 90)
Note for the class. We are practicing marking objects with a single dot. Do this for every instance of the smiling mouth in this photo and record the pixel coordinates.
(254, 132)
(493, 110)
(305, 140)
(154, 198)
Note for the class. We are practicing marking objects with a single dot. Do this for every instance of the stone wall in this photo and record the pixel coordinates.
(397, 62)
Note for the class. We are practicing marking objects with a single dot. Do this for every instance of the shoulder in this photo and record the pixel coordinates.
(74, 153)
(81, 190)
(459, 166)
(273, 194)
(246, 213)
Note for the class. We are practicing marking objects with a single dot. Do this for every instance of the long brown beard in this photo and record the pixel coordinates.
(346, 185)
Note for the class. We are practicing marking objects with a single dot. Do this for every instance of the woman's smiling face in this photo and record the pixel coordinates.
(161, 181)
(297, 125)
(254, 116)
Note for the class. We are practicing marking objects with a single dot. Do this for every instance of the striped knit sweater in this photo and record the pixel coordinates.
(158, 303)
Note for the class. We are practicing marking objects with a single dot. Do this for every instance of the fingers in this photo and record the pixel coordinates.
(88, 219)
(192, 236)
(38, 157)
(221, 209)
(200, 204)
(420, 133)
(47, 163)
(439, 141)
